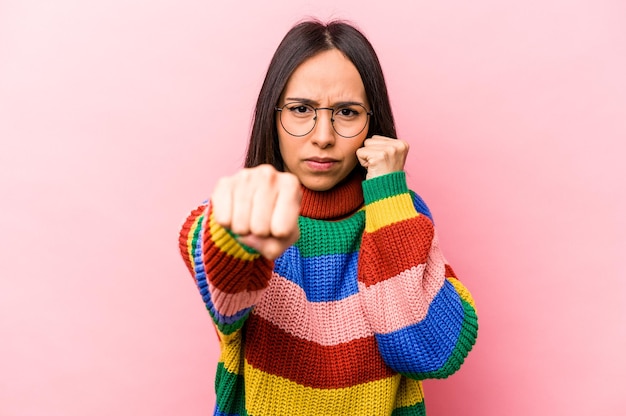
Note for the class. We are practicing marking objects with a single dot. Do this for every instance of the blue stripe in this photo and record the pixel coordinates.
(199, 273)
(427, 345)
(226, 319)
(203, 286)
(323, 278)
(218, 412)
(421, 206)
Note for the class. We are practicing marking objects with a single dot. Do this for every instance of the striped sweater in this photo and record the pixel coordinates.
(348, 320)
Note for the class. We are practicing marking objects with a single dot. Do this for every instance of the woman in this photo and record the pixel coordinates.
(321, 270)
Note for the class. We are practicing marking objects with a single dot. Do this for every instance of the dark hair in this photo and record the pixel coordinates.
(303, 41)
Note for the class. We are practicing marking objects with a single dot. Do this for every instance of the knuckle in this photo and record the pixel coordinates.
(243, 173)
(279, 232)
(279, 229)
(222, 184)
(238, 227)
(265, 170)
(259, 228)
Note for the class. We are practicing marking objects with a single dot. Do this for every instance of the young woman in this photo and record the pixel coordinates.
(319, 267)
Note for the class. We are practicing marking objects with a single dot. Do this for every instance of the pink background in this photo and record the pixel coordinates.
(117, 117)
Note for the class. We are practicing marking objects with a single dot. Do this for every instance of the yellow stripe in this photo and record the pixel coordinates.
(410, 393)
(267, 394)
(227, 243)
(388, 211)
(231, 351)
(190, 248)
(462, 291)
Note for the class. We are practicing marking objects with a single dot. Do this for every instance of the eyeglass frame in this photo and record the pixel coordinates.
(369, 113)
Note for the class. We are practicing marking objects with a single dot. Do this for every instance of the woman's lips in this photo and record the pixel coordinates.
(320, 163)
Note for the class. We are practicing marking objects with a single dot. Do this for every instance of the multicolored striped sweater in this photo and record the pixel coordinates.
(348, 320)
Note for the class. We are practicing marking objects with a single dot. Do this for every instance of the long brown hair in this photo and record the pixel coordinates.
(303, 41)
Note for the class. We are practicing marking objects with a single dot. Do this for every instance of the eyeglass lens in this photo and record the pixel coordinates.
(299, 119)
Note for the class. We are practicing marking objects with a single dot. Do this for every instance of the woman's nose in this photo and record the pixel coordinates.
(324, 133)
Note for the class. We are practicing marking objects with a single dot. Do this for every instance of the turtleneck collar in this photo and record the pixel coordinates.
(336, 203)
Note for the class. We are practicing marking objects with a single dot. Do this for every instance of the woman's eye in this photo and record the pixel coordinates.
(347, 112)
(300, 109)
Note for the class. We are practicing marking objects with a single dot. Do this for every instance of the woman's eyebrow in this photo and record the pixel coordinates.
(315, 103)
(346, 103)
(301, 100)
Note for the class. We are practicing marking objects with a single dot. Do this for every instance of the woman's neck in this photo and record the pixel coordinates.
(342, 200)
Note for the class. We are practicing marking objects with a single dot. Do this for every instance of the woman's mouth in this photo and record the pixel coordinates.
(320, 163)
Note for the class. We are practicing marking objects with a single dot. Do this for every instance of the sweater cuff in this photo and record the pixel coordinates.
(387, 201)
(384, 186)
(227, 241)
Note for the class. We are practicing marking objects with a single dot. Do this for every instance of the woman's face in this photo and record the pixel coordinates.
(322, 158)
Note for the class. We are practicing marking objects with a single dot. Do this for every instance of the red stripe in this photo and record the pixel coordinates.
(395, 248)
(230, 274)
(450, 272)
(274, 351)
(183, 237)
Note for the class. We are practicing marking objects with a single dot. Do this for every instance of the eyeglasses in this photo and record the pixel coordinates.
(299, 119)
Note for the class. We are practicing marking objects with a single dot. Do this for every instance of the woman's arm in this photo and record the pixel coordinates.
(230, 276)
(231, 271)
(423, 317)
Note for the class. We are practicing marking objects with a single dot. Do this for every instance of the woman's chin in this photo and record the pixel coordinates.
(318, 186)
(319, 183)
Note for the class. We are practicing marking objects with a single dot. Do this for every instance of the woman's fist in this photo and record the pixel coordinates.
(381, 155)
(261, 206)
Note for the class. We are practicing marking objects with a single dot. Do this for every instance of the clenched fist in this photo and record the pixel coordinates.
(261, 206)
(381, 155)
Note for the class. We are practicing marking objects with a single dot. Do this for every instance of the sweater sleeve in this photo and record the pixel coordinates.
(423, 317)
(230, 276)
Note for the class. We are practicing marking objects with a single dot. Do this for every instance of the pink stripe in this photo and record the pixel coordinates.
(326, 323)
(404, 299)
(230, 303)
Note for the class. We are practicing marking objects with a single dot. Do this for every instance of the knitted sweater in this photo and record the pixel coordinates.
(348, 320)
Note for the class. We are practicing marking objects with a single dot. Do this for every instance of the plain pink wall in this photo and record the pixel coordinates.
(117, 117)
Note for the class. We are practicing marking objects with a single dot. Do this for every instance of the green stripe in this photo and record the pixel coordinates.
(228, 329)
(326, 235)
(248, 249)
(230, 391)
(465, 342)
(194, 240)
(418, 409)
(384, 186)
